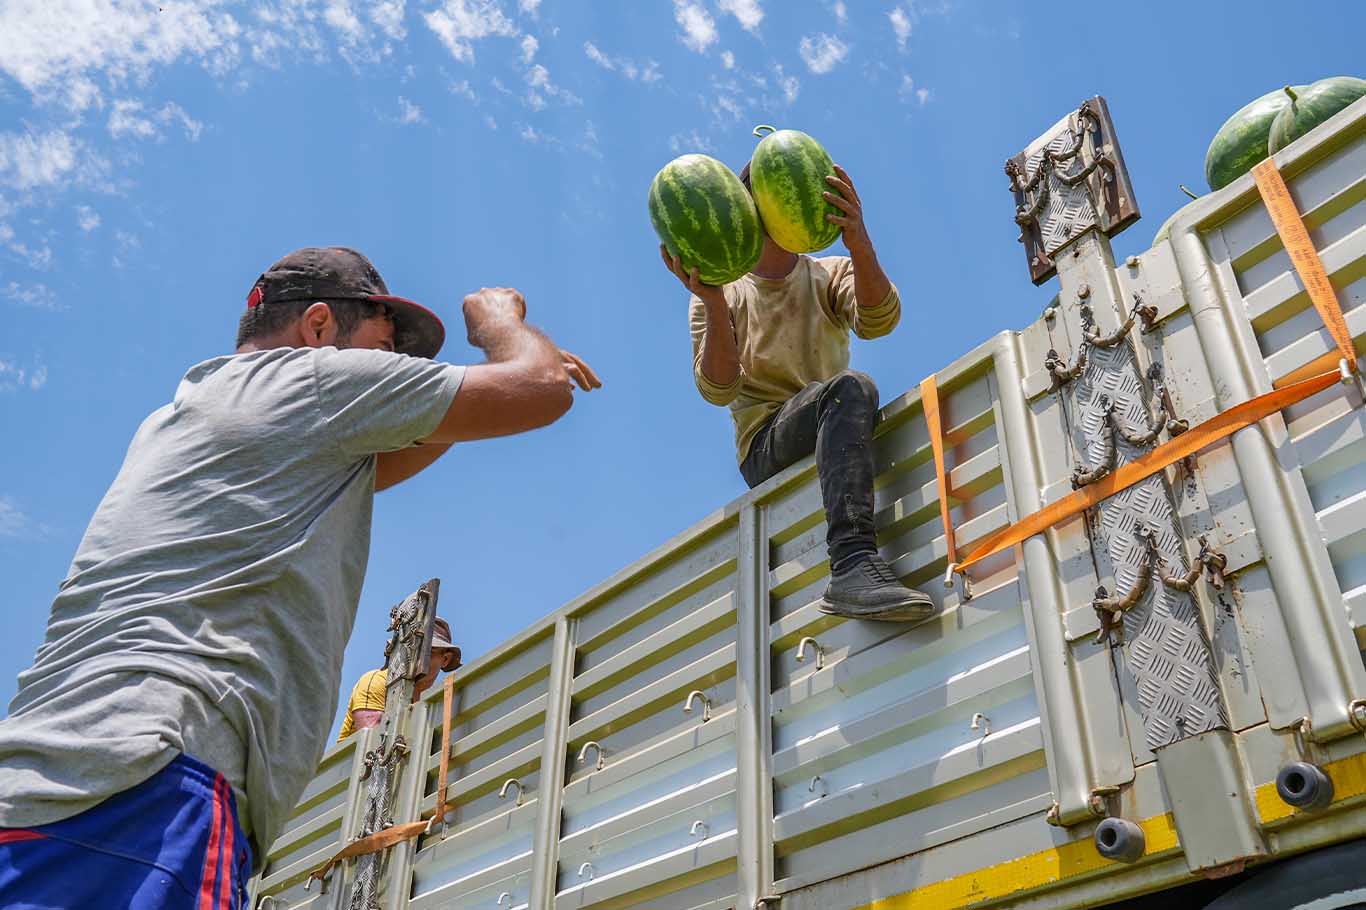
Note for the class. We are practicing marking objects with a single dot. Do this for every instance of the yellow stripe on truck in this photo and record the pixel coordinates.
(1079, 857)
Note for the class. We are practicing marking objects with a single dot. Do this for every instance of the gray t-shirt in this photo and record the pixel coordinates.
(211, 599)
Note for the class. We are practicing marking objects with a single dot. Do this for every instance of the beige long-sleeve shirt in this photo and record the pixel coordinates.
(790, 332)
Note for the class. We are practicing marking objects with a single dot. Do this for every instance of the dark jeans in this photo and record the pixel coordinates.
(834, 419)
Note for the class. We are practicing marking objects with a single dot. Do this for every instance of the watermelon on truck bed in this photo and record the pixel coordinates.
(1241, 142)
(1308, 107)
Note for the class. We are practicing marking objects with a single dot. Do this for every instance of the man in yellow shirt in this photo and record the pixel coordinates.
(774, 346)
(366, 707)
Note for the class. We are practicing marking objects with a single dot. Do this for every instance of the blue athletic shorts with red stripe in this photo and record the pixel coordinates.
(170, 843)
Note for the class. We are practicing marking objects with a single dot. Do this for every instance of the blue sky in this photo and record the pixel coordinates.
(154, 160)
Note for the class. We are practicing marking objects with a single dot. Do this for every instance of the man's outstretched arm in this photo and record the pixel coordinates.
(523, 385)
(395, 467)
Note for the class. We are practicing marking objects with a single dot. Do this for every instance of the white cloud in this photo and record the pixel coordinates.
(490, 122)
(53, 47)
(901, 26)
(34, 296)
(539, 85)
(841, 12)
(29, 160)
(645, 72)
(460, 23)
(13, 521)
(529, 134)
(388, 15)
(49, 160)
(128, 117)
(529, 6)
(464, 89)
(728, 60)
(907, 87)
(749, 13)
(15, 377)
(922, 95)
(822, 53)
(699, 28)
(788, 84)
(340, 16)
(591, 51)
(529, 46)
(87, 219)
(689, 143)
(408, 112)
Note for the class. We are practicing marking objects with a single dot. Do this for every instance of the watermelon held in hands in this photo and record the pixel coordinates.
(787, 173)
(1242, 141)
(1308, 107)
(704, 216)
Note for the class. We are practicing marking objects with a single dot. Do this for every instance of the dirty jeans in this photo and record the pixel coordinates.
(834, 419)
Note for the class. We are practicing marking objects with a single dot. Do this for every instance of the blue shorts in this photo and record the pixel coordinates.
(170, 843)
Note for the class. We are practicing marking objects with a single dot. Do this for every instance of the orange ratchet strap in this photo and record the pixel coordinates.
(397, 834)
(1310, 379)
(929, 400)
(1308, 265)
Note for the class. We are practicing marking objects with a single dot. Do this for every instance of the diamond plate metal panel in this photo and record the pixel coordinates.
(1164, 644)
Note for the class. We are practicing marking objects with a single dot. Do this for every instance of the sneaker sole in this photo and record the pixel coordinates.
(913, 611)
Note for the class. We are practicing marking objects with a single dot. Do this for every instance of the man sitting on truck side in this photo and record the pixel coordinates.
(774, 346)
(180, 701)
(366, 706)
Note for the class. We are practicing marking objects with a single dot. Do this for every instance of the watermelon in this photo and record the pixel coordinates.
(788, 174)
(704, 216)
(1241, 141)
(1308, 107)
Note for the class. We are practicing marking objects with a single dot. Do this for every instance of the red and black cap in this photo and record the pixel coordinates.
(338, 273)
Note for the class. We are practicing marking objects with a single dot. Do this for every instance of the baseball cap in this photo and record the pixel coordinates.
(339, 273)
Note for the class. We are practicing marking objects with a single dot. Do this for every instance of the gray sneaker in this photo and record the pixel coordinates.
(870, 590)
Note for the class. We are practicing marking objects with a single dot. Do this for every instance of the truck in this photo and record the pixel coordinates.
(1153, 693)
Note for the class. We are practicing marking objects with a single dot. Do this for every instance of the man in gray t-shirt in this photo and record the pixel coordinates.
(201, 626)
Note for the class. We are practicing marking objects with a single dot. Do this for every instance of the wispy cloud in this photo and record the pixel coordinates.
(14, 376)
(460, 23)
(728, 60)
(749, 13)
(529, 6)
(529, 47)
(464, 90)
(787, 83)
(901, 26)
(841, 12)
(408, 112)
(646, 71)
(699, 28)
(540, 86)
(87, 219)
(13, 521)
(822, 52)
(53, 158)
(129, 118)
(689, 143)
(34, 296)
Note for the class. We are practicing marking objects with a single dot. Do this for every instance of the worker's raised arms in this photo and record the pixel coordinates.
(527, 381)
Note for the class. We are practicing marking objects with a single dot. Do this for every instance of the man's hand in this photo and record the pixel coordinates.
(707, 293)
(488, 307)
(847, 200)
(580, 372)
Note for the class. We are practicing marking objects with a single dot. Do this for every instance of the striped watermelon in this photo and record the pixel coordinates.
(704, 216)
(788, 174)
(1308, 107)
(1241, 141)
